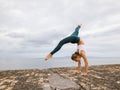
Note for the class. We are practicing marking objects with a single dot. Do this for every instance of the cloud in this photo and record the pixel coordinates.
(35, 27)
(15, 35)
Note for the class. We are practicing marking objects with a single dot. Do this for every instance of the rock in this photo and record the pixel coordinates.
(46, 86)
(27, 75)
(59, 83)
(118, 82)
(103, 77)
(3, 87)
(9, 88)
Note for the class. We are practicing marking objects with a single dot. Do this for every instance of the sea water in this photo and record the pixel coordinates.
(40, 63)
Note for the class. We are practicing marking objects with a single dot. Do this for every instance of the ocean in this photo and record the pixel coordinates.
(40, 63)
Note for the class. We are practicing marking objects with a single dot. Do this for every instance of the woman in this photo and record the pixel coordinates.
(81, 53)
(74, 39)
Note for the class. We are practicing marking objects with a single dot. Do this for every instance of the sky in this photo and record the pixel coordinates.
(32, 28)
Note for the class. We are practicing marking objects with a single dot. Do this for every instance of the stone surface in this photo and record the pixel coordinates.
(103, 77)
(59, 83)
(46, 86)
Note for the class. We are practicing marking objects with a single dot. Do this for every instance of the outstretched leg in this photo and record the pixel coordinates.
(60, 44)
(58, 47)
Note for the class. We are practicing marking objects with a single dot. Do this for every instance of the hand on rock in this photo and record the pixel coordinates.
(77, 72)
(83, 74)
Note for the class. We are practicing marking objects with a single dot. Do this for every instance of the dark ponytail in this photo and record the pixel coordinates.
(77, 53)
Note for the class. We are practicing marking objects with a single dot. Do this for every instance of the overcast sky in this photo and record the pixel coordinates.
(32, 28)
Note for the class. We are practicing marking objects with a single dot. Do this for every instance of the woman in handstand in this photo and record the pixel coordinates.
(80, 53)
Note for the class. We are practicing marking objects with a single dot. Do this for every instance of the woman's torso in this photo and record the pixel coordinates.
(81, 48)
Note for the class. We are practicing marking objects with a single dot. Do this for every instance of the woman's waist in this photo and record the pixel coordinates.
(81, 47)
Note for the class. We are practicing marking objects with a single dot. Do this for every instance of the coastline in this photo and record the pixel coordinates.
(100, 77)
(32, 63)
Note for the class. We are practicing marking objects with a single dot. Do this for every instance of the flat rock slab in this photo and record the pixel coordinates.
(46, 86)
(59, 83)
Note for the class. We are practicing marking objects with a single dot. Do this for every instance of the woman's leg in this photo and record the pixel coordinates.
(60, 44)
(76, 32)
(58, 47)
(73, 39)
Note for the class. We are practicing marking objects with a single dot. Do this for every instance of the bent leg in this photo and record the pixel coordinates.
(76, 32)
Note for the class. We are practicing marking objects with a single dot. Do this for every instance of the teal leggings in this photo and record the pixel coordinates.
(73, 38)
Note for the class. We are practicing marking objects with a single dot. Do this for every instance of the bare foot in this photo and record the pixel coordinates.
(80, 24)
(83, 74)
(48, 56)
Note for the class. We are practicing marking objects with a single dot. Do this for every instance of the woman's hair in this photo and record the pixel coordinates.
(75, 55)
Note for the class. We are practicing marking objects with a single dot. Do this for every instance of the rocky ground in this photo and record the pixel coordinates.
(103, 77)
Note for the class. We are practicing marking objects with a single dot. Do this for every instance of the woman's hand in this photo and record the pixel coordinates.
(77, 72)
(84, 74)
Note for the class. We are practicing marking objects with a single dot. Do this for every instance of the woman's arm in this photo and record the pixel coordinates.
(85, 62)
(79, 66)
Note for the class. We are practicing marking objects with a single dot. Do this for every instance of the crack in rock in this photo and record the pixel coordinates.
(57, 82)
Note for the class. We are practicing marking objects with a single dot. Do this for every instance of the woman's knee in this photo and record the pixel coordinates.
(61, 42)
